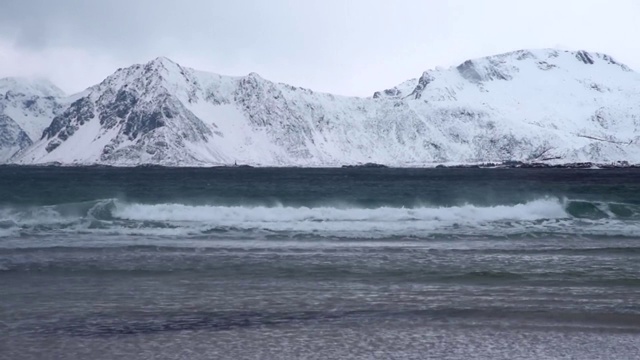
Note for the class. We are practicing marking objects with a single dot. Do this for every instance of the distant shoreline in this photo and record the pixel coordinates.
(484, 165)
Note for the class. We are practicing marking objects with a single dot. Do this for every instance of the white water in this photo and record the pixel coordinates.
(234, 215)
(115, 217)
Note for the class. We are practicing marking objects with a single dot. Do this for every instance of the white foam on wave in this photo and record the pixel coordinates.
(316, 219)
(118, 218)
(534, 210)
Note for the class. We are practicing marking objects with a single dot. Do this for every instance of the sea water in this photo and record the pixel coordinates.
(243, 263)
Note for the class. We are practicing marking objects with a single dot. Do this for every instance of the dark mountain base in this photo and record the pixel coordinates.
(538, 165)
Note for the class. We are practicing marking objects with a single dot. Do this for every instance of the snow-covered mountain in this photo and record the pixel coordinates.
(525, 105)
(26, 109)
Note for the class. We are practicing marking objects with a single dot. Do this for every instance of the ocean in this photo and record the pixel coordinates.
(294, 263)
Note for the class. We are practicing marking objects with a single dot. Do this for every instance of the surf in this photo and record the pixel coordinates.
(115, 216)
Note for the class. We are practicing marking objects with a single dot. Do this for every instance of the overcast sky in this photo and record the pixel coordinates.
(350, 47)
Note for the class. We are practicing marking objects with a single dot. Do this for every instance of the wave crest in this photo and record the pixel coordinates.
(546, 215)
(234, 215)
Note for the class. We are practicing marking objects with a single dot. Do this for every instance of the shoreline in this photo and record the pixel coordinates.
(371, 165)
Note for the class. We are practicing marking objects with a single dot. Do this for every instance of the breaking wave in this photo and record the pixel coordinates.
(113, 216)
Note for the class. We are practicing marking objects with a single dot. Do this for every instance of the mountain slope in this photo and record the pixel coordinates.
(524, 105)
(527, 105)
(12, 138)
(26, 109)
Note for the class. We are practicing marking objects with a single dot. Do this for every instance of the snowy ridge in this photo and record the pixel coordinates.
(529, 105)
(26, 109)
(31, 86)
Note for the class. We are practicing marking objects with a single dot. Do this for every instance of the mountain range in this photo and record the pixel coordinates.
(529, 105)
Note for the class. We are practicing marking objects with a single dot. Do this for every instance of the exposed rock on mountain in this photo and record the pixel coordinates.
(12, 137)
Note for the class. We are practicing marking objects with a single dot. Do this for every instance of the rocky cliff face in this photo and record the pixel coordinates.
(526, 105)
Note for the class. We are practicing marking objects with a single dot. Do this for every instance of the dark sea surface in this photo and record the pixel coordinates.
(243, 263)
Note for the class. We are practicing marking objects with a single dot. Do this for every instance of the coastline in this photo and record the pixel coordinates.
(368, 165)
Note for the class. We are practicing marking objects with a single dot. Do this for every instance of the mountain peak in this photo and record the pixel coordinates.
(254, 75)
(163, 60)
(163, 64)
(155, 75)
(551, 55)
(507, 65)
